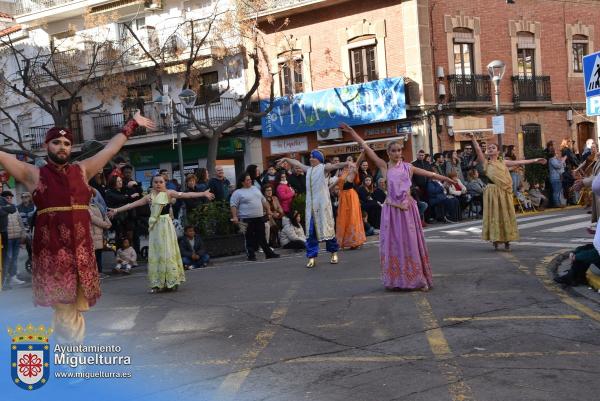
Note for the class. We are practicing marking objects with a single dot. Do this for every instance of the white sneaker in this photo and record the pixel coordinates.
(15, 281)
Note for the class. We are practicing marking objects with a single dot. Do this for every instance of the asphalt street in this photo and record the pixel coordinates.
(494, 326)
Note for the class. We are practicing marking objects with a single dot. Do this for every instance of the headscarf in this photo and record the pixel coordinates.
(317, 154)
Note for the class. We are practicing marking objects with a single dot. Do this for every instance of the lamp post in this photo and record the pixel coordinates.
(496, 71)
(165, 105)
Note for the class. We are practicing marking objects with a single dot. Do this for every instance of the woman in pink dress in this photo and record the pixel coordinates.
(402, 251)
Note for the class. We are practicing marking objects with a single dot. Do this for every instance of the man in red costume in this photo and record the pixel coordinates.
(64, 271)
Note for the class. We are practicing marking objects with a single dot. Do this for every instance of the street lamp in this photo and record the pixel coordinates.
(496, 71)
(165, 105)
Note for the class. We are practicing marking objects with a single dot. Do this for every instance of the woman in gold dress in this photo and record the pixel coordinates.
(499, 219)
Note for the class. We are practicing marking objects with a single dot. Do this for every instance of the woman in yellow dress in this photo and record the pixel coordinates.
(499, 219)
(165, 267)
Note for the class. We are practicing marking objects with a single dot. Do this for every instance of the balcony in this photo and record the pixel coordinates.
(36, 12)
(279, 8)
(61, 64)
(30, 6)
(38, 134)
(469, 88)
(218, 112)
(531, 89)
(108, 125)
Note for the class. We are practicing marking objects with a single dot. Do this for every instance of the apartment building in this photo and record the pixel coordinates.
(67, 37)
(441, 49)
(542, 44)
(316, 47)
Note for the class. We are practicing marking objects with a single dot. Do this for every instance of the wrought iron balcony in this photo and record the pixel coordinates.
(531, 89)
(38, 134)
(108, 125)
(218, 112)
(469, 88)
(61, 64)
(32, 6)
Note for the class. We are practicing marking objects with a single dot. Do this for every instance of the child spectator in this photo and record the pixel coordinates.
(126, 258)
(523, 197)
(292, 234)
(536, 194)
(191, 247)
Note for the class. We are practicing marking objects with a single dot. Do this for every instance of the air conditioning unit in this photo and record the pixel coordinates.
(329, 134)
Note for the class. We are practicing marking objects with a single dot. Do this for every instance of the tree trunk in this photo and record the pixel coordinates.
(211, 158)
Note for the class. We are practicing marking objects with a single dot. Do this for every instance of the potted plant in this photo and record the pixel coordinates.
(220, 236)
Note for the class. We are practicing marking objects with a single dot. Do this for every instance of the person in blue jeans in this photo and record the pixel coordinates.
(191, 247)
(556, 167)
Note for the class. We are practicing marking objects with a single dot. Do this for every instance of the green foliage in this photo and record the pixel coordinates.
(535, 173)
(212, 219)
(299, 204)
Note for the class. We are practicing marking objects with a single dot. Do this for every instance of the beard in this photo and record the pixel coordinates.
(59, 159)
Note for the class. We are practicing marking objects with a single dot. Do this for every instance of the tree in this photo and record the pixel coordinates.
(38, 73)
(230, 32)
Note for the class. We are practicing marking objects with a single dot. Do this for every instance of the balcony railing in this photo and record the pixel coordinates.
(469, 88)
(61, 64)
(38, 134)
(108, 125)
(531, 89)
(32, 6)
(218, 112)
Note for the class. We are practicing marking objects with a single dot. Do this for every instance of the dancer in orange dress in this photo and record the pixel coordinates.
(349, 228)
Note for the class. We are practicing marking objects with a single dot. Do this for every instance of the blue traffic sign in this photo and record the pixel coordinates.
(591, 73)
(593, 105)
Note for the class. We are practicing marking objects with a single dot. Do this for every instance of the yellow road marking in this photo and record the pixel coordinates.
(243, 366)
(529, 354)
(522, 268)
(517, 317)
(458, 388)
(542, 273)
(352, 359)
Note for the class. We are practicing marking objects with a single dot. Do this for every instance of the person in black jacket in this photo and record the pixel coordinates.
(191, 247)
(117, 196)
(6, 208)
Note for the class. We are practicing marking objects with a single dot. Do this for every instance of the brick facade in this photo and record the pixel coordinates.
(553, 23)
(418, 38)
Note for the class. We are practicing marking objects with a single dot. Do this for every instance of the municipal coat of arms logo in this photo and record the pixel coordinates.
(30, 356)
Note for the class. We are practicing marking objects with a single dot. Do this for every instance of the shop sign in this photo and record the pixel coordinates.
(289, 145)
(228, 147)
(354, 147)
(481, 135)
(371, 102)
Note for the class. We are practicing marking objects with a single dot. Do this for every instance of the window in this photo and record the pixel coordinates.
(526, 62)
(463, 51)
(580, 49)
(363, 64)
(525, 54)
(463, 58)
(136, 25)
(290, 77)
(137, 96)
(209, 88)
(24, 122)
(532, 136)
(6, 129)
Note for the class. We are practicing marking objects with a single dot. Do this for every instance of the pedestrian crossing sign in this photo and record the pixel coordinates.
(591, 73)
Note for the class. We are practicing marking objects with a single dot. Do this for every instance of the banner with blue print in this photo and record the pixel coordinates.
(371, 102)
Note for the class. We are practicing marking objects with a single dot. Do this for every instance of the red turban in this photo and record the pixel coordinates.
(56, 132)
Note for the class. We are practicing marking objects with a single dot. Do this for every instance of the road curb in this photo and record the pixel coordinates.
(579, 291)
